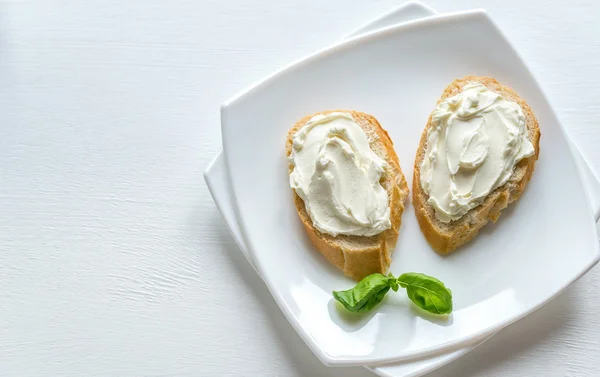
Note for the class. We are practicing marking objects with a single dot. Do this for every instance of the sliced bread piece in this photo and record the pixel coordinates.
(446, 237)
(359, 256)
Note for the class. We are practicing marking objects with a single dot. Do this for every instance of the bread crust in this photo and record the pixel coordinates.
(360, 256)
(446, 237)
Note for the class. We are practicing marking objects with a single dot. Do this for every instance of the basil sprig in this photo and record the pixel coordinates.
(427, 292)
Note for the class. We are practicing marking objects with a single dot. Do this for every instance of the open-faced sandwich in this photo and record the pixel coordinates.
(348, 187)
(476, 155)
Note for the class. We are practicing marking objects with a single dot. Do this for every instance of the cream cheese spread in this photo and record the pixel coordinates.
(338, 175)
(475, 140)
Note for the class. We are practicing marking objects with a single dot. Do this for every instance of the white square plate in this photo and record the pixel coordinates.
(513, 267)
(215, 176)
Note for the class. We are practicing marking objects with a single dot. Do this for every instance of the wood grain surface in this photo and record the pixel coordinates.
(114, 261)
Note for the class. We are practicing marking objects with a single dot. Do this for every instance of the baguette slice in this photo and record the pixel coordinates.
(446, 237)
(360, 256)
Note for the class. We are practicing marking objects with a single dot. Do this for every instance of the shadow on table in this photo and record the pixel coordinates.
(297, 354)
(526, 334)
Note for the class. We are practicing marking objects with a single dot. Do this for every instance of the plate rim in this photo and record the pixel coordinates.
(349, 43)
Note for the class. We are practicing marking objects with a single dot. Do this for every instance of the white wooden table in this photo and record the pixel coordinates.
(113, 257)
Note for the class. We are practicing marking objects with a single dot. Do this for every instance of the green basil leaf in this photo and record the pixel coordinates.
(427, 292)
(366, 294)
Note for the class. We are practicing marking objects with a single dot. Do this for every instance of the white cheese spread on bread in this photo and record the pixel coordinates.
(475, 140)
(337, 175)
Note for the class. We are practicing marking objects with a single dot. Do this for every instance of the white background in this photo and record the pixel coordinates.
(114, 259)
